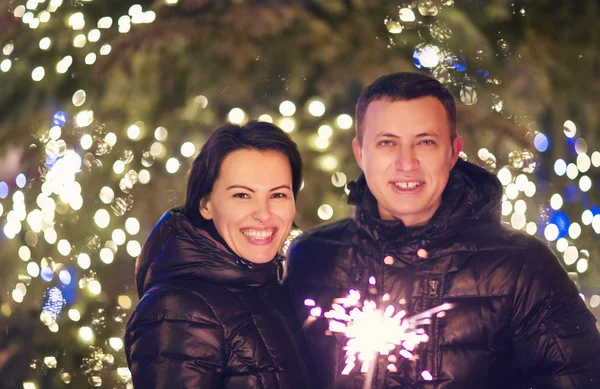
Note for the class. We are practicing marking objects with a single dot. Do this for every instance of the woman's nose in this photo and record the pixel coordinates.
(262, 212)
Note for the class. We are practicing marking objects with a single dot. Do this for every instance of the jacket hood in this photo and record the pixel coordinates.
(472, 194)
(179, 248)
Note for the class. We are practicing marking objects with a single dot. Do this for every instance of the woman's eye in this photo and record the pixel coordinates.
(241, 195)
(279, 196)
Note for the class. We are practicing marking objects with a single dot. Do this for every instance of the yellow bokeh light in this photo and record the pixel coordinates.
(172, 165)
(94, 287)
(133, 248)
(124, 301)
(106, 255)
(132, 225)
(236, 116)
(86, 334)
(287, 108)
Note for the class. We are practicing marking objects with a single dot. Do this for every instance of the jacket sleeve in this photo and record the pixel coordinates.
(174, 342)
(554, 334)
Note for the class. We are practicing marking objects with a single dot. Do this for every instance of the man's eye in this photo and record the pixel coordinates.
(385, 143)
(427, 142)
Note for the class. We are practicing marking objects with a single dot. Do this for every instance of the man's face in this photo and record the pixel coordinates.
(406, 156)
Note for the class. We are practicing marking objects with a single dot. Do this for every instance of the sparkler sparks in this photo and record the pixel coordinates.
(371, 331)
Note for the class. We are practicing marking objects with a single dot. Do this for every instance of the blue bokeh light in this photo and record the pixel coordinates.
(541, 142)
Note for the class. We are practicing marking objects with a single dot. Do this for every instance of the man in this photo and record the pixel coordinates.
(427, 229)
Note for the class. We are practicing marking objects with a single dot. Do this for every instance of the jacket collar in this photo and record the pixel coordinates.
(180, 248)
(471, 195)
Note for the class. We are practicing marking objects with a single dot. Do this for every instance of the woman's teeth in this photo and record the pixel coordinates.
(258, 234)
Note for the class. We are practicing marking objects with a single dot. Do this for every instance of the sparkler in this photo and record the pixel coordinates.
(371, 331)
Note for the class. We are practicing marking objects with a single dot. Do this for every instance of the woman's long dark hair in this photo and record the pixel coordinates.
(228, 138)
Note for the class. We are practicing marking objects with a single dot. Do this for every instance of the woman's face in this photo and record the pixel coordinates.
(251, 203)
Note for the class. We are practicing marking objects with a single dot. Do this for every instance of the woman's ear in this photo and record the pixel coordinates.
(205, 208)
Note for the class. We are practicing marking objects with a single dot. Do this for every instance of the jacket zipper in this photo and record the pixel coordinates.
(433, 288)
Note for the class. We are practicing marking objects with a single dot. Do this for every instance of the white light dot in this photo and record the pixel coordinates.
(38, 74)
(106, 255)
(45, 43)
(5, 65)
(407, 15)
(84, 118)
(596, 159)
(105, 22)
(111, 138)
(562, 244)
(572, 171)
(520, 206)
(506, 208)
(102, 218)
(585, 183)
(33, 269)
(344, 121)
(570, 129)
(551, 232)
(74, 314)
(586, 217)
(133, 248)
(321, 143)
(512, 191)
(118, 236)
(86, 334)
(556, 201)
(144, 176)
(118, 167)
(560, 167)
(161, 133)
(265, 118)
(574, 230)
(94, 35)
(63, 65)
(132, 225)
(90, 59)
(115, 343)
(188, 149)
(86, 141)
(105, 49)
(64, 247)
(583, 162)
(582, 265)
(325, 131)
(106, 195)
(84, 261)
(134, 131)
(19, 11)
(236, 116)
(316, 108)
(570, 256)
(594, 301)
(24, 253)
(287, 124)
(325, 212)
(287, 108)
(94, 287)
(79, 41)
(172, 165)
(505, 176)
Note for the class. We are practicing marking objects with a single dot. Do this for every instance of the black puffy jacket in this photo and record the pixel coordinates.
(518, 320)
(207, 318)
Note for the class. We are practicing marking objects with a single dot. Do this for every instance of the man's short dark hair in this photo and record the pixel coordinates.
(401, 87)
(228, 138)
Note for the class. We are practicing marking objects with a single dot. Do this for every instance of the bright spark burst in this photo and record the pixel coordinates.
(372, 331)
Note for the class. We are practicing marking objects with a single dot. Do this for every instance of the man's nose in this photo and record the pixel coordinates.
(407, 160)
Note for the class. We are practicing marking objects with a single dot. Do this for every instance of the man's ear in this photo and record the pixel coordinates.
(205, 208)
(457, 145)
(357, 148)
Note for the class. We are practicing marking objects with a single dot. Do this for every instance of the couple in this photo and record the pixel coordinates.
(427, 227)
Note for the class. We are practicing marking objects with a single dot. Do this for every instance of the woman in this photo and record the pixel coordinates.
(212, 313)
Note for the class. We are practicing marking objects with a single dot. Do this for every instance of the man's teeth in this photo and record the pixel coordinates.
(407, 185)
(258, 234)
